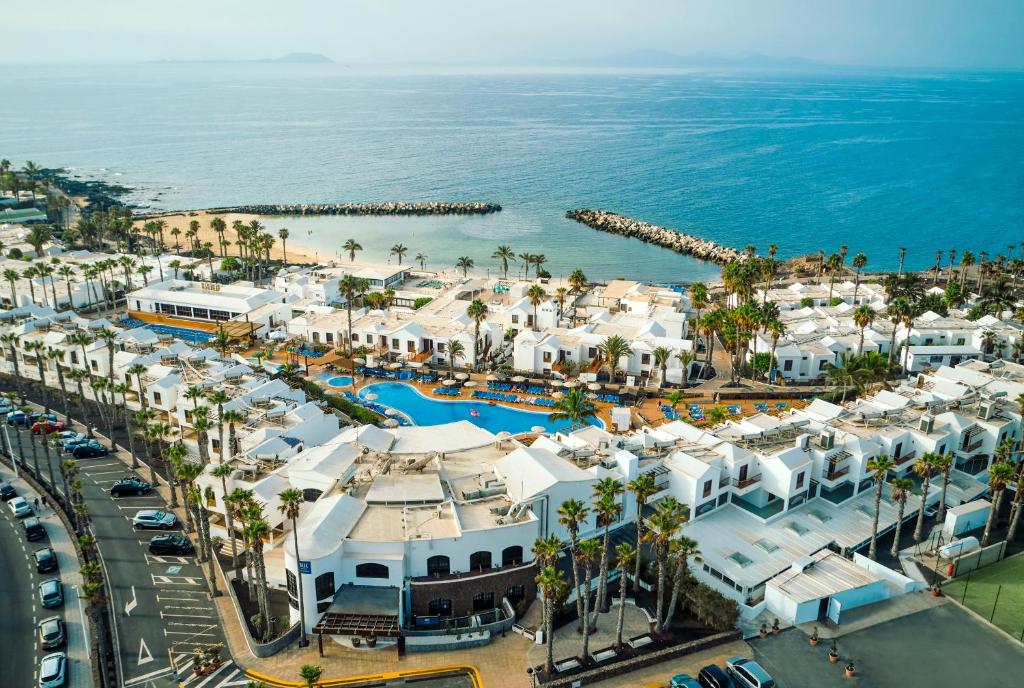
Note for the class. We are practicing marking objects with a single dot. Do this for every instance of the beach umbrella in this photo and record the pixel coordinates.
(414, 364)
(371, 397)
(556, 383)
(471, 383)
(593, 386)
(394, 366)
(390, 412)
(571, 383)
(519, 378)
(504, 435)
(591, 396)
(390, 423)
(461, 376)
(557, 395)
(359, 361)
(449, 382)
(538, 428)
(493, 378)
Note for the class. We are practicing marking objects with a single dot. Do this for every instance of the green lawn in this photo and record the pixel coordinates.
(981, 593)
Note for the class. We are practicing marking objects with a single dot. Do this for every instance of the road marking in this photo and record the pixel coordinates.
(213, 675)
(174, 580)
(95, 473)
(191, 634)
(145, 656)
(147, 677)
(182, 606)
(166, 559)
(105, 482)
(173, 570)
(132, 603)
(192, 615)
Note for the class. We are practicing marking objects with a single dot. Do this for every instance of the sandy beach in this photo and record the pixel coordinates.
(297, 253)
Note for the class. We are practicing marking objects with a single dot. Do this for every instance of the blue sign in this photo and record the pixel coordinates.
(304, 567)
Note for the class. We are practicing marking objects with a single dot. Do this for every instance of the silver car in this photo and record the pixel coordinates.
(51, 633)
(51, 593)
(749, 674)
(154, 518)
(53, 670)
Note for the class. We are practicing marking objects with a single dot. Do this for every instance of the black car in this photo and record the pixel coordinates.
(34, 529)
(86, 451)
(7, 492)
(51, 633)
(170, 544)
(132, 485)
(46, 560)
(714, 676)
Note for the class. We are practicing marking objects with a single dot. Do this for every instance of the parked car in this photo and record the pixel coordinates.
(46, 560)
(20, 507)
(51, 593)
(53, 671)
(89, 450)
(714, 676)
(6, 406)
(52, 635)
(34, 529)
(44, 426)
(154, 518)
(170, 544)
(71, 441)
(132, 485)
(683, 681)
(748, 673)
(7, 492)
(18, 417)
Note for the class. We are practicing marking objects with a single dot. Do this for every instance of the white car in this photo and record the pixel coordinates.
(154, 518)
(20, 507)
(53, 670)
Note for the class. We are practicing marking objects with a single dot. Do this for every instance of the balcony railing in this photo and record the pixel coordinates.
(833, 474)
(746, 482)
(458, 575)
(973, 446)
(900, 460)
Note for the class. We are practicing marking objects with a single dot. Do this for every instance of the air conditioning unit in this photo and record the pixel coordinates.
(986, 410)
(826, 440)
(926, 423)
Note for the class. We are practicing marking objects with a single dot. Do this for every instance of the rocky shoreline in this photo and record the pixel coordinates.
(388, 208)
(674, 240)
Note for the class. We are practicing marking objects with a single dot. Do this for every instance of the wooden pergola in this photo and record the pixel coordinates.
(362, 625)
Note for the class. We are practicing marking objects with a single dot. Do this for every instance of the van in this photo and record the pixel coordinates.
(34, 530)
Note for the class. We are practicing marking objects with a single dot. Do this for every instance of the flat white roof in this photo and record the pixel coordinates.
(406, 489)
(825, 573)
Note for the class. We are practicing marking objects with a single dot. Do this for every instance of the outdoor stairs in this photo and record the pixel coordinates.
(640, 399)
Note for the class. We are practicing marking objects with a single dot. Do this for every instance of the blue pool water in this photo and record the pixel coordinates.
(182, 333)
(423, 410)
(340, 381)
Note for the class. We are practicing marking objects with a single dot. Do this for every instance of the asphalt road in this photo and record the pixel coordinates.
(17, 623)
(161, 605)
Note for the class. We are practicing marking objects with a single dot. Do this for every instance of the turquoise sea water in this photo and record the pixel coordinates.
(810, 160)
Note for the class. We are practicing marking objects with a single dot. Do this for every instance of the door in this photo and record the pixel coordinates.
(834, 607)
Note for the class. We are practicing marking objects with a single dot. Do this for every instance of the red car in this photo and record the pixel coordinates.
(46, 426)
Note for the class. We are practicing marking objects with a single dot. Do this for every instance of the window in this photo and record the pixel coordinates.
(440, 347)
(372, 571)
(293, 584)
(592, 352)
(516, 593)
(324, 586)
(822, 365)
(960, 341)
(438, 566)
(330, 337)
(355, 336)
(787, 366)
(898, 451)
(74, 357)
(799, 480)
(515, 319)
(156, 397)
(706, 491)
(645, 359)
(547, 357)
(484, 602)
(478, 561)
(510, 556)
(440, 607)
(395, 344)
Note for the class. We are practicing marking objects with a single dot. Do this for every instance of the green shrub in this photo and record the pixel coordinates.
(421, 302)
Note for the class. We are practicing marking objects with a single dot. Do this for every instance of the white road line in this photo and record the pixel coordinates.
(174, 580)
(191, 615)
(147, 677)
(214, 674)
(191, 634)
(92, 474)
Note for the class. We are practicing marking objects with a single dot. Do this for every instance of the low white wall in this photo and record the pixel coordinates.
(903, 583)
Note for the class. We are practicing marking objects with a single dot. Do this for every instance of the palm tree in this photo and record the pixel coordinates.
(943, 464)
(219, 397)
(256, 529)
(291, 501)
(587, 554)
(477, 310)
(1018, 502)
(578, 284)
(685, 358)
(611, 350)
(350, 247)
(549, 580)
(464, 263)
(661, 355)
(1000, 475)
(699, 298)
(504, 254)
(223, 470)
(897, 311)
(310, 673)
(664, 524)
(350, 287)
(863, 317)
(859, 261)
(900, 489)
(455, 349)
(538, 260)
(572, 514)
(12, 277)
(879, 466)
(573, 406)
(607, 506)
(684, 549)
(527, 259)
(421, 258)
(624, 555)
(399, 250)
(545, 553)
(924, 467)
(283, 233)
(536, 294)
(642, 488)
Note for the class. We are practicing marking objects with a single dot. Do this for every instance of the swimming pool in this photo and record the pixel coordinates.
(423, 410)
(182, 333)
(340, 381)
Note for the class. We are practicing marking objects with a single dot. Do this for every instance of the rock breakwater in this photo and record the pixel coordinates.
(387, 208)
(671, 239)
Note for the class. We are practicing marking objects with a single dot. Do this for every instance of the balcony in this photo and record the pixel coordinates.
(835, 473)
(972, 447)
(746, 482)
(900, 460)
(465, 575)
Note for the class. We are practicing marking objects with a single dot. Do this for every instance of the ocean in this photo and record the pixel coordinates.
(805, 160)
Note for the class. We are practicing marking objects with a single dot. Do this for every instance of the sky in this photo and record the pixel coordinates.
(964, 34)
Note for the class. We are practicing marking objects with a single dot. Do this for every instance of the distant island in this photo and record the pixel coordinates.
(290, 58)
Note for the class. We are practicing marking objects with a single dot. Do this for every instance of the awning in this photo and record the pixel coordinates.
(367, 611)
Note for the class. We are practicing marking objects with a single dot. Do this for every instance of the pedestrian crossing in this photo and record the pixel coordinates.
(225, 676)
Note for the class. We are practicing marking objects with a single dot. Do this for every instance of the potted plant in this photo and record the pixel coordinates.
(849, 671)
(763, 633)
(775, 627)
(814, 637)
(833, 652)
(213, 659)
(197, 661)
(936, 590)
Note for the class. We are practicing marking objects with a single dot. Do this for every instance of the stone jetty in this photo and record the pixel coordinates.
(386, 208)
(671, 239)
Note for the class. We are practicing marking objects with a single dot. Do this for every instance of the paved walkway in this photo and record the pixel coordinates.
(569, 643)
(73, 612)
(661, 674)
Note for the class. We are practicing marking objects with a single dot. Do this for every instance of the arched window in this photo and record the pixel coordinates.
(483, 602)
(478, 561)
(440, 607)
(438, 566)
(372, 571)
(510, 556)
